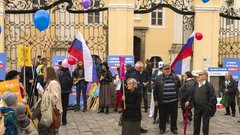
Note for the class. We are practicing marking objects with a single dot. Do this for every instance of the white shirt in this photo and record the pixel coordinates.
(117, 82)
(199, 84)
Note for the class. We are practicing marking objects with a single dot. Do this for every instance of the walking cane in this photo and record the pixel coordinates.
(185, 121)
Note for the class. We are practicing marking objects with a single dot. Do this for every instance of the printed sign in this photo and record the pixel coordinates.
(3, 62)
(114, 63)
(216, 71)
(233, 65)
(24, 53)
(11, 86)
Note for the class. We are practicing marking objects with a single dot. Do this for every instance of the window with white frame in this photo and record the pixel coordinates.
(95, 17)
(157, 17)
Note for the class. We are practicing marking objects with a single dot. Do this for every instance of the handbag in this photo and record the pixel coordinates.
(46, 109)
(36, 109)
(56, 116)
(225, 100)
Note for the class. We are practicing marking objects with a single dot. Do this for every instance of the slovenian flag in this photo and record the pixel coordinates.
(181, 64)
(80, 51)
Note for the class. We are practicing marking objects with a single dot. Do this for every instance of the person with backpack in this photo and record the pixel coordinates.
(204, 101)
(66, 82)
(165, 92)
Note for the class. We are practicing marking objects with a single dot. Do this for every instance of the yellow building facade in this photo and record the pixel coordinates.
(118, 27)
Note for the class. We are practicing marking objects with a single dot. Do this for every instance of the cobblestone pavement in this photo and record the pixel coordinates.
(92, 123)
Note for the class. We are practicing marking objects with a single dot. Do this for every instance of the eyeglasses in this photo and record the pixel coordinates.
(166, 68)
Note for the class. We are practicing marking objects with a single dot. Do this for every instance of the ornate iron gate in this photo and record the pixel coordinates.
(67, 18)
(229, 40)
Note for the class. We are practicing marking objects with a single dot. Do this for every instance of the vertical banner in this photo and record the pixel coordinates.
(122, 67)
(24, 53)
(233, 65)
(114, 62)
(3, 62)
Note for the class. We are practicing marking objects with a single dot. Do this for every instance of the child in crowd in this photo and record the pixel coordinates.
(10, 117)
(117, 82)
(25, 126)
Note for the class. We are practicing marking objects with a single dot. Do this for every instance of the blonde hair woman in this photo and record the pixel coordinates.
(132, 113)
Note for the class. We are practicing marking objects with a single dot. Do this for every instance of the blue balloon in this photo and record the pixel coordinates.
(205, 1)
(0, 29)
(41, 19)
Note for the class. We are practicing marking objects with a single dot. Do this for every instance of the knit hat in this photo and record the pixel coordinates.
(9, 98)
(11, 74)
(20, 110)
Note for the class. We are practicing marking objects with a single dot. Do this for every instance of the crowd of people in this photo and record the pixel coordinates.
(48, 85)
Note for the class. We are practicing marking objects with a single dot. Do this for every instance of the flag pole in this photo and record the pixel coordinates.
(24, 67)
(124, 103)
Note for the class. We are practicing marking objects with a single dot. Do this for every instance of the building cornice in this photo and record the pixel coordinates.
(206, 9)
(121, 6)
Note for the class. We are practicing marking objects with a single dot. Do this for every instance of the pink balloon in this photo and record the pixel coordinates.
(65, 63)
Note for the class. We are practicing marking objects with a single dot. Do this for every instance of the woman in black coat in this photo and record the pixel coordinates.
(132, 112)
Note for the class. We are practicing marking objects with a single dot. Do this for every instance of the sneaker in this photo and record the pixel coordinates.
(84, 109)
(227, 114)
(143, 130)
(77, 110)
(146, 111)
(64, 123)
(161, 131)
(175, 132)
(150, 116)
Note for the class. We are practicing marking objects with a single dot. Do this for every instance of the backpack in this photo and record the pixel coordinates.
(66, 81)
(213, 107)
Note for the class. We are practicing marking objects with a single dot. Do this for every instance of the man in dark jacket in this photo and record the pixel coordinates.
(204, 100)
(142, 79)
(185, 92)
(165, 92)
(229, 87)
(66, 82)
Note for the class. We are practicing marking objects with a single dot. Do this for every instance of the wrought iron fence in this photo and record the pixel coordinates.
(67, 18)
(229, 34)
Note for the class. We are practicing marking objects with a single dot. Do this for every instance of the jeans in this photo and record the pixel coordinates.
(145, 98)
(232, 104)
(81, 88)
(65, 100)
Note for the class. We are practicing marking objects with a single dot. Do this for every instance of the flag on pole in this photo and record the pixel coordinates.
(80, 51)
(181, 63)
(122, 67)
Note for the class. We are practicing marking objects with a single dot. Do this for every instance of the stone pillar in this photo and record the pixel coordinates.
(121, 27)
(205, 52)
(2, 16)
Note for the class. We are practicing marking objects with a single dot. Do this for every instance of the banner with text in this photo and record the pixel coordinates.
(3, 62)
(114, 62)
(24, 53)
(233, 65)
